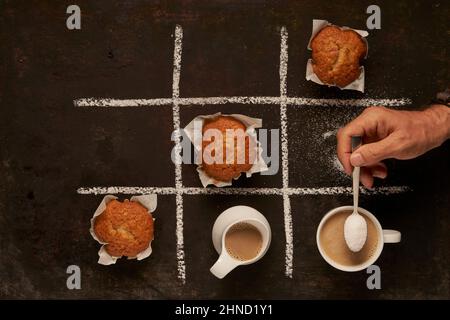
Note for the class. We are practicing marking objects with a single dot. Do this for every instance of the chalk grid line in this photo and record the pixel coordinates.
(206, 101)
(177, 54)
(241, 191)
(283, 101)
(285, 153)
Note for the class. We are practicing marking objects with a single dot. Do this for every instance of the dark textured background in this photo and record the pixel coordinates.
(48, 148)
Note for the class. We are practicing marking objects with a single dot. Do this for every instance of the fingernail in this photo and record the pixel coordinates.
(356, 160)
(379, 174)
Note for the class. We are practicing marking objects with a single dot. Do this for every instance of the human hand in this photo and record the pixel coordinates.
(391, 133)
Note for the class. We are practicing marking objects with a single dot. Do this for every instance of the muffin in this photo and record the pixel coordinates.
(126, 228)
(336, 55)
(221, 170)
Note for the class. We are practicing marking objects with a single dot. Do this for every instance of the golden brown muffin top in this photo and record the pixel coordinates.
(126, 227)
(336, 55)
(226, 171)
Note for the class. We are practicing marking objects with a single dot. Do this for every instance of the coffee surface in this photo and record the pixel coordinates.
(243, 241)
(333, 242)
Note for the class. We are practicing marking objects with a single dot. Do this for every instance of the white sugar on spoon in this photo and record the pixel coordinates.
(355, 227)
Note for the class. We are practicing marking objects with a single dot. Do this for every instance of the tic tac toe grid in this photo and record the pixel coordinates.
(176, 102)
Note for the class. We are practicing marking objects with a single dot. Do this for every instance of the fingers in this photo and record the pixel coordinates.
(366, 177)
(373, 125)
(367, 122)
(373, 153)
(368, 174)
(379, 170)
(344, 147)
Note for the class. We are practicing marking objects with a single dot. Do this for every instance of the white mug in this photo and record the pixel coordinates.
(229, 218)
(384, 236)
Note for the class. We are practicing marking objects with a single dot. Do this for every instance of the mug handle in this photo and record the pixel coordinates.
(391, 236)
(223, 265)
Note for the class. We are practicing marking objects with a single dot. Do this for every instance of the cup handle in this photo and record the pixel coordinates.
(391, 236)
(223, 265)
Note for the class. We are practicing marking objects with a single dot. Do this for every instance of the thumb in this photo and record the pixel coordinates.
(372, 153)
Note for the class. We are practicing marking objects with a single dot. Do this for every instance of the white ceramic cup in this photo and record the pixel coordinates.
(226, 262)
(384, 236)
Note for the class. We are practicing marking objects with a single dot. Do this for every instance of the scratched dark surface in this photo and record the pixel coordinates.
(49, 148)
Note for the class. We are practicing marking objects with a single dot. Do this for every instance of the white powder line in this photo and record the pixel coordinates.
(283, 63)
(202, 101)
(289, 250)
(285, 154)
(240, 191)
(181, 265)
(299, 101)
(283, 109)
(177, 53)
(114, 103)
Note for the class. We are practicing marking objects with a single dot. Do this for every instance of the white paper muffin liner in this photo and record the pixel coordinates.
(250, 123)
(358, 84)
(148, 201)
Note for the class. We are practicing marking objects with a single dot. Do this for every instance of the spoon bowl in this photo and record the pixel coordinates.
(355, 232)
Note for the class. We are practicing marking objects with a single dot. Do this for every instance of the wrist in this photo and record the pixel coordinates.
(440, 121)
